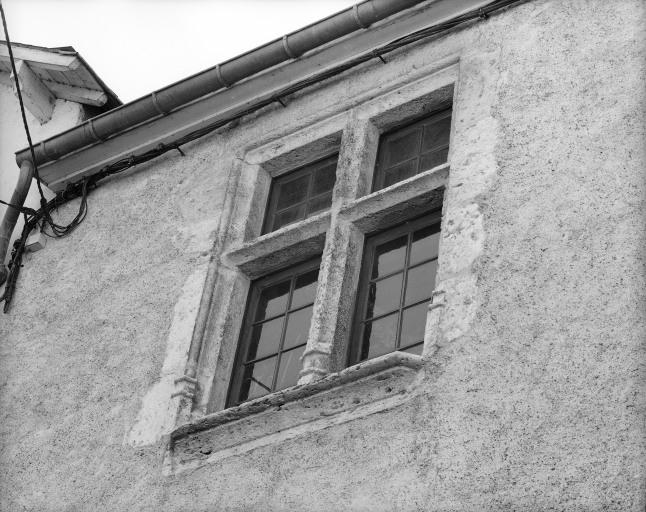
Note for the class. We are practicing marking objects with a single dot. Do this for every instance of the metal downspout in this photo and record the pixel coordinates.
(12, 214)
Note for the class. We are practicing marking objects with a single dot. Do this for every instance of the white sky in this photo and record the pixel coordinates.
(137, 46)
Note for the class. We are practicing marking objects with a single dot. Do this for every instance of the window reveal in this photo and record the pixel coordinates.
(274, 333)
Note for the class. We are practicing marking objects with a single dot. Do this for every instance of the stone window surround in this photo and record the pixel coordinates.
(337, 234)
(327, 392)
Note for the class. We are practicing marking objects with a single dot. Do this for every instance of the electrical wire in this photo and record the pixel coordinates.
(83, 187)
(22, 106)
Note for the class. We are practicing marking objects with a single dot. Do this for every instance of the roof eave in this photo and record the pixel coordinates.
(59, 170)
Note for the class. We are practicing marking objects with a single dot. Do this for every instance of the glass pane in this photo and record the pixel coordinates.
(305, 289)
(402, 147)
(324, 179)
(436, 134)
(413, 324)
(288, 216)
(319, 203)
(257, 379)
(400, 172)
(292, 192)
(298, 327)
(433, 159)
(425, 244)
(421, 281)
(265, 338)
(384, 295)
(273, 301)
(290, 366)
(415, 349)
(379, 337)
(389, 257)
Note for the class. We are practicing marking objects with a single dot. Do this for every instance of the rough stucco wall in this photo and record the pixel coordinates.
(537, 404)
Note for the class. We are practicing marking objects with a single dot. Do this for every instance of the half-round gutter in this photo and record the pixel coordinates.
(12, 214)
(223, 75)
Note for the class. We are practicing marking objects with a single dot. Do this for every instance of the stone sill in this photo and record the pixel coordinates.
(358, 391)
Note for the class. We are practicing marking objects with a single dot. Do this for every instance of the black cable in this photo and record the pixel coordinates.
(21, 209)
(83, 187)
(22, 107)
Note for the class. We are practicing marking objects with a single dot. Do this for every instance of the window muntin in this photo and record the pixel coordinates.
(300, 193)
(413, 149)
(274, 333)
(395, 288)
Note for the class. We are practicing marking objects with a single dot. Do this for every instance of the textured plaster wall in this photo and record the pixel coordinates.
(536, 399)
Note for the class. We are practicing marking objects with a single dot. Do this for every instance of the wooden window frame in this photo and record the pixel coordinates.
(430, 219)
(251, 308)
(307, 169)
(382, 154)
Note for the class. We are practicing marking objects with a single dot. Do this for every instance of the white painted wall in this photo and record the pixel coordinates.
(13, 138)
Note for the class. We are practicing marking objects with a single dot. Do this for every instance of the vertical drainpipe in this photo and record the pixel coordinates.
(11, 215)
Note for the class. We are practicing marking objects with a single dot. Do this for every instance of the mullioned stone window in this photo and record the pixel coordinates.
(398, 270)
(324, 313)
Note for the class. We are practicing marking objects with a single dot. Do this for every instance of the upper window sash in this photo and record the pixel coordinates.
(301, 193)
(412, 149)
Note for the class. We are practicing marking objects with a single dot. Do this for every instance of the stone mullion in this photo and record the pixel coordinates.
(335, 296)
(340, 264)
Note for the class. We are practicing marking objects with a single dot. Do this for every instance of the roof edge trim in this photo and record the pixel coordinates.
(218, 77)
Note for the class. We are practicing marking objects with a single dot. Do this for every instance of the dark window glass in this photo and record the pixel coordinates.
(290, 367)
(402, 145)
(300, 193)
(304, 289)
(395, 288)
(425, 245)
(291, 192)
(324, 177)
(413, 324)
(319, 203)
(384, 295)
(288, 216)
(265, 338)
(413, 149)
(436, 134)
(258, 377)
(390, 257)
(399, 173)
(433, 159)
(379, 337)
(274, 332)
(298, 327)
(273, 301)
(419, 280)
